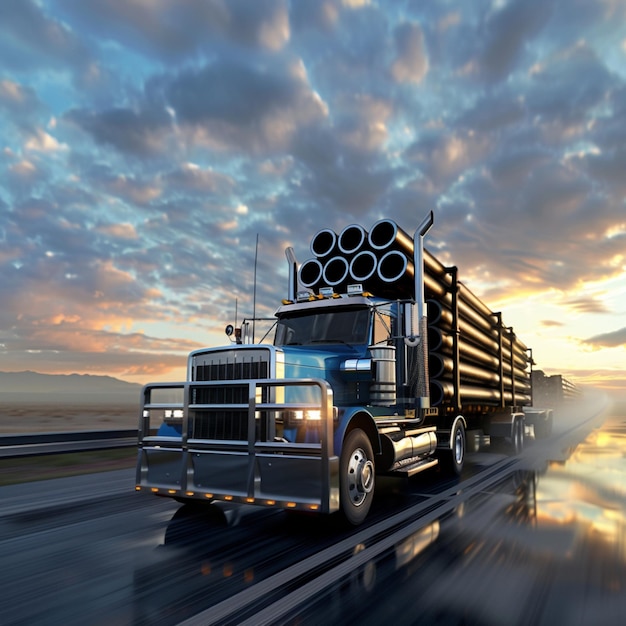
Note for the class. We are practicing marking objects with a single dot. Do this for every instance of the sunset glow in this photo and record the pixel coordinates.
(144, 146)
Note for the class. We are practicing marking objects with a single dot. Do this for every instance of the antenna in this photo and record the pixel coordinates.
(256, 255)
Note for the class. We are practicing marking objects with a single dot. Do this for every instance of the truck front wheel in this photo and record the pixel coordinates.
(356, 478)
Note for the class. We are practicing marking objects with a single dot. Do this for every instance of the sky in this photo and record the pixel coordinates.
(146, 144)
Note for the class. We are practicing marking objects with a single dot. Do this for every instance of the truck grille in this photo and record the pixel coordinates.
(221, 423)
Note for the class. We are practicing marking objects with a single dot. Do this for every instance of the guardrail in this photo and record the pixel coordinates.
(14, 446)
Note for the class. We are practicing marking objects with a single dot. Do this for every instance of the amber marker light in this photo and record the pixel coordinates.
(314, 507)
(249, 500)
(208, 495)
(171, 491)
(137, 488)
(291, 505)
(229, 498)
(154, 490)
(270, 502)
(189, 493)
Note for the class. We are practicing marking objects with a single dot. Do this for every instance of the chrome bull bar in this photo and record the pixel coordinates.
(258, 467)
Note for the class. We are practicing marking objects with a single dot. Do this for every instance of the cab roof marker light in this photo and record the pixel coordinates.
(355, 289)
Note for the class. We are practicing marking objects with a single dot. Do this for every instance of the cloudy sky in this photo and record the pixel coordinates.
(146, 143)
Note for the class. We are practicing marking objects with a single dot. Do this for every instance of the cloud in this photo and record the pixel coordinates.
(32, 40)
(198, 180)
(552, 323)
(586, 305)
(41, 141)
(611, 339)
(142, 134)
(257, 108)
(411, 63)
(173, 33)
(18, 99)
(506, 31)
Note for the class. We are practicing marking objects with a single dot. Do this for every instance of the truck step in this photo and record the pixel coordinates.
(406, 470)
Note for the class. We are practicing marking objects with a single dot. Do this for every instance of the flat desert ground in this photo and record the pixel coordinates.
(51, 418)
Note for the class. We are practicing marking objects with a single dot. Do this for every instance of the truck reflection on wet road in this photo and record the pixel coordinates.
(548, 548)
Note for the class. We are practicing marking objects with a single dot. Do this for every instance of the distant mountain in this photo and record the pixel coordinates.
(19, 386)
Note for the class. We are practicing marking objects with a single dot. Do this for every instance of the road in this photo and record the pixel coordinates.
(535, 539)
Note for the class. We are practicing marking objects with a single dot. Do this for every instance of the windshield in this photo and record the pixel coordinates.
(350, 327)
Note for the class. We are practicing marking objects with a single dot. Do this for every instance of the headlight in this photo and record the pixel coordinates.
(173, 415)
(293, 419)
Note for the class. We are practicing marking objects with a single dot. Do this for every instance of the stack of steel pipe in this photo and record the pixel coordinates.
(473, 358)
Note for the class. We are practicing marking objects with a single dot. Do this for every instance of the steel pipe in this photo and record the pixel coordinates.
(441, 367)
(335, 271)
(310, 273)
(443, 318)
(393, 266)
(351, 239)
(441, 342)
(324, 243)
(363, 266)
(440, 391)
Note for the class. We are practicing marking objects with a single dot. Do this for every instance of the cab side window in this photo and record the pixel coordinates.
(382, 328)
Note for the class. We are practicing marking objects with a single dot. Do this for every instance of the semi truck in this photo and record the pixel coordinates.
(383, 363)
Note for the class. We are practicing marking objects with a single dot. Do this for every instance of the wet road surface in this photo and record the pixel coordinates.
(536, 539)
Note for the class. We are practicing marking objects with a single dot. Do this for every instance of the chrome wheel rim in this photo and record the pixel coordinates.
(458, 446)
(360, 477)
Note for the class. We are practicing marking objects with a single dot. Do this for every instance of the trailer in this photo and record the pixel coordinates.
(382, 363)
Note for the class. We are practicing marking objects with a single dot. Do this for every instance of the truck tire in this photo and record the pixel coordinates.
(453, 459)
(517, 437)
(356, 477)
(543, 426)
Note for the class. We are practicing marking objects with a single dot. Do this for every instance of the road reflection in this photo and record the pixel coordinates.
(545, 547)
(588, 491)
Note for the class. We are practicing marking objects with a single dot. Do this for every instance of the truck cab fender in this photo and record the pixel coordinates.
(356, 417)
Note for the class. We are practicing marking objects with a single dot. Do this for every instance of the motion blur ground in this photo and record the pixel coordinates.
(548, 546)
(543, 543)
